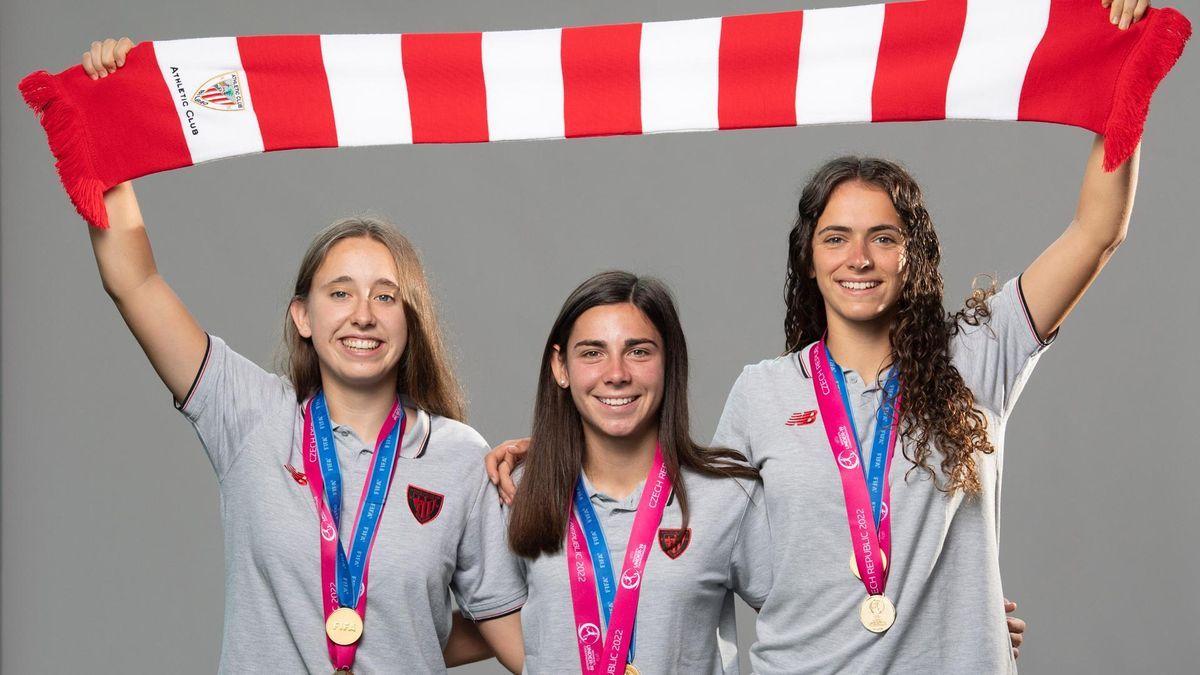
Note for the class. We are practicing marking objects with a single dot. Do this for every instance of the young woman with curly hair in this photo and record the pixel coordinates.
(895, 549)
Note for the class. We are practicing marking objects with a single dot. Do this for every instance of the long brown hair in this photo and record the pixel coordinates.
(543, 501)
(937, 408)
(425, 374)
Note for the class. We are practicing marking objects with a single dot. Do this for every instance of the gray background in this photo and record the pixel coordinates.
(111, 545)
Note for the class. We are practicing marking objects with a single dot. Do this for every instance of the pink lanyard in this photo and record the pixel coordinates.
(342, 656)
(609, 656)
(866, 541)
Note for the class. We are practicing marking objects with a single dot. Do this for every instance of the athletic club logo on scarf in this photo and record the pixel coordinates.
(674, 541)
(425, 505)
(223, 92)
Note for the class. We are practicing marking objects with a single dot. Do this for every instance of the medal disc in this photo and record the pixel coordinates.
(344, 626)
(854, 564)
(877, 613)
(630, 670)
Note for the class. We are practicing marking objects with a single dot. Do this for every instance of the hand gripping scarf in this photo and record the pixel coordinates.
(181, 102)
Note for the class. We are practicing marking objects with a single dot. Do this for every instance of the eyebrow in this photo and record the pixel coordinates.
(381, 281)
(631, 342)
(844, 228)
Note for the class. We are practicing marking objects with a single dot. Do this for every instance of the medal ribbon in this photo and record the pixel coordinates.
(876, 472)
(601, 557)
(610, 654)
(344, 581)
(867, 508)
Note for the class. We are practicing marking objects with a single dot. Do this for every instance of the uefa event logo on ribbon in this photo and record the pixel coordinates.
(589, 633)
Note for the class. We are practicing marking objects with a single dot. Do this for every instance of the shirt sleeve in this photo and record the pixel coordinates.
(751, 562)
(489, 580)
(733, 429)
(228, 398)
(996, 357)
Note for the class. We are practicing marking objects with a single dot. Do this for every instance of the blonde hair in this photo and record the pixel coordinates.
(425, 374)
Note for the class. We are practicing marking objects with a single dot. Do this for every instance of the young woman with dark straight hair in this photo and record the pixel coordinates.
(620, 518)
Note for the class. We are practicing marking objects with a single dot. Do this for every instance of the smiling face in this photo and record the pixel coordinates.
(858, 255)
(613, 364)
(354, 316)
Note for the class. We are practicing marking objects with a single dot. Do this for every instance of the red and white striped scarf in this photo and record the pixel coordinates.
(181, 102)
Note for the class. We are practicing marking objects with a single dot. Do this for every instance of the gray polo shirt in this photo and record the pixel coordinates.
(442, 531)
(945, 573)
(685, 617)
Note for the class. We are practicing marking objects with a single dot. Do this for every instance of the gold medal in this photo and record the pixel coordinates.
(630, 670)
(877, 613)
(344, 626)
(854, 564)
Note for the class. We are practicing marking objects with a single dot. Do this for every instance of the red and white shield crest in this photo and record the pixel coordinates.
(425, 505)
(674, 541)
(221, 92)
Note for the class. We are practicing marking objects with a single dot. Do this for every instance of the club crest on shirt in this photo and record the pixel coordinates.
(800, 419)
(221, 92)
(425, 505)
(674, 541)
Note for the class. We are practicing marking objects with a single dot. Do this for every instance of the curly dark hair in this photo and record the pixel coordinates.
(937, 408)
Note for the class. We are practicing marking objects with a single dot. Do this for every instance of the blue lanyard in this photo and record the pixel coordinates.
(877, 470)
(593, 536)
(350, 572)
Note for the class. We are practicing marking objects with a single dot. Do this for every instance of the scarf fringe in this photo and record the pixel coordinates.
(67, 136)
(1153, 57)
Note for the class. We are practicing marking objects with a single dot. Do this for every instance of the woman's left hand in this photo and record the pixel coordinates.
(1125, 13)
(1016, 626)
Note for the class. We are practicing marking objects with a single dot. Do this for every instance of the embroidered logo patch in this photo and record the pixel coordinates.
(223, 92)
(425, 505)
(799, 419)
(674, 541)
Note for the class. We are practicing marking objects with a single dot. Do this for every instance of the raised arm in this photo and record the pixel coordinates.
(162, 325)
(1056, 281)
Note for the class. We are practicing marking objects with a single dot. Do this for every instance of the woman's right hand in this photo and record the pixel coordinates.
(500, 463)
(105, 57)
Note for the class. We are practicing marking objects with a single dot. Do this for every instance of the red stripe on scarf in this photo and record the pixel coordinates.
(1061, 87)
(159, 144)
(916, 53)
(602, 80)
(759, 59)
(447, 100)
(289, 91)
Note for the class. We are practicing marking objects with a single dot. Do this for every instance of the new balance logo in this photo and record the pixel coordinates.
(800, 419)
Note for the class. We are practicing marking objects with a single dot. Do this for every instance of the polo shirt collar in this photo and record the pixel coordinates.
(801, 360)
(629, 503)
(416, 433)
